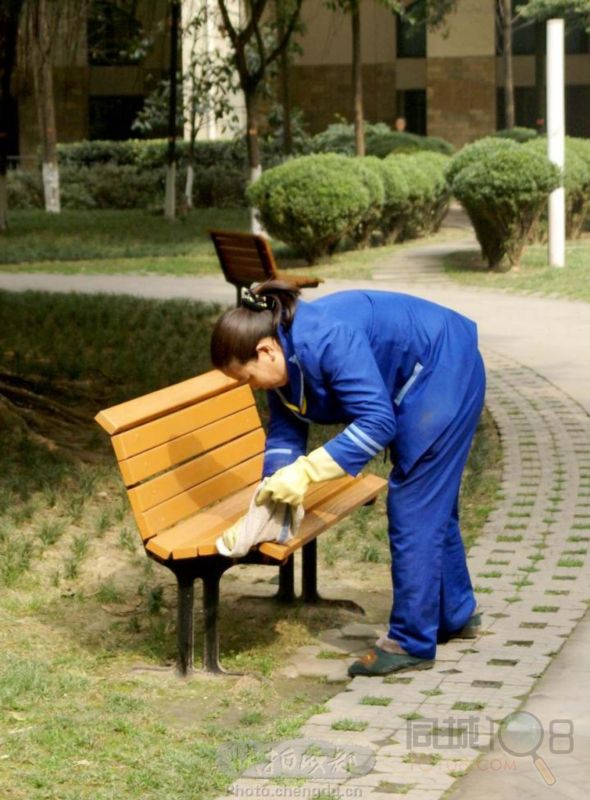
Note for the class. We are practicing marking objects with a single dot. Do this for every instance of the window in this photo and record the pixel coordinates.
(113, 33)
(410, 39)
(577, 109)
(111, 117)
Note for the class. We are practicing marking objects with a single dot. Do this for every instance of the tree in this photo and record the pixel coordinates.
(515, 15)
(203, 93)
(170, 199)
(45, 25)
(9, 17)
(430, 13)
(256, 45)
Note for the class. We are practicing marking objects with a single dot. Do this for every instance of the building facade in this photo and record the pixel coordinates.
(446, 83)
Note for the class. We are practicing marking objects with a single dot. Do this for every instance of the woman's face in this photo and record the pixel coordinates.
(267, 371)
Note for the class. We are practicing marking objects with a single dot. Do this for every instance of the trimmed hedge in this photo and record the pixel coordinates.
(122, 186)
(517, 134)
(380, 141)
(312, 202)
(504, 190)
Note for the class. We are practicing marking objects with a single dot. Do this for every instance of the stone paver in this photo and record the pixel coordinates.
(530, 570)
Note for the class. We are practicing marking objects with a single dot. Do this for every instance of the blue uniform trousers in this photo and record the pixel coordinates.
(432, 591)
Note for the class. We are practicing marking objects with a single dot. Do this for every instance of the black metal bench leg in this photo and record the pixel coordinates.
(286, 591)
(185, 626)
(211, 614)
(309, 582)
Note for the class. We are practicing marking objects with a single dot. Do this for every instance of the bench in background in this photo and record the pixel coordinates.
(246, 259)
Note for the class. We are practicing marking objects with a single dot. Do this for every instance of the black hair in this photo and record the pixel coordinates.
(238, 330)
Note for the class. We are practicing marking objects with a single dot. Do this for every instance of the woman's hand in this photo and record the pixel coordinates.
(289, 484)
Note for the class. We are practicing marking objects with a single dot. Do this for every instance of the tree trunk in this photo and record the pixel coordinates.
(253, 146)
(508, 63)
(170, 201)
(41, 47)
(8, 38)
(540, 90)
(357, 80)
(285, 88)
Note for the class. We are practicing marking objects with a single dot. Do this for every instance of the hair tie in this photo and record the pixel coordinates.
(256, 302)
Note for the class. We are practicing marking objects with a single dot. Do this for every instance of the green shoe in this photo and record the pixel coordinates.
(380, 662)
(470, 630)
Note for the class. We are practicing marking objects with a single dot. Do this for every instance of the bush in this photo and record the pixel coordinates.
(436, 210)
(373, 182)
(576, 180)
(25, 189)
(396, 200)
(520, 135)
(380, 141)
(311, 202)
(427, 193)
(471, 153)
(504, 192)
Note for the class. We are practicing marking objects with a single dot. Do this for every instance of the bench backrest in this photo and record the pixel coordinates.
(182, 448)
(244, 257)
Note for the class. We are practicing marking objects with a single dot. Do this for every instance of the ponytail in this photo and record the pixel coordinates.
(261, 311)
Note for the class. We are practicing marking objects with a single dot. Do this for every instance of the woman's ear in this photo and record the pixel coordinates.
(269, 347)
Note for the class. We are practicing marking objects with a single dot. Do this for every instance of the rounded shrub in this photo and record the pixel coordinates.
(576, 180)
(435, 165)
(421, 195)
(373, 182)
(504, 193)
(471, 153)
(311, 202)
(396, 200)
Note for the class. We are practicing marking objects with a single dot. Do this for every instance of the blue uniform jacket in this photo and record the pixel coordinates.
(393, 368)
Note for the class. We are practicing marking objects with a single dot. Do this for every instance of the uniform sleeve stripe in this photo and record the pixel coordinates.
(360, 443)
(274, 450)
(365, 437)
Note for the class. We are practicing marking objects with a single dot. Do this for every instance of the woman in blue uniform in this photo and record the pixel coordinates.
(402, 374)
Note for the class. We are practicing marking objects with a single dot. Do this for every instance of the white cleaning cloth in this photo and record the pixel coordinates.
(270, 522)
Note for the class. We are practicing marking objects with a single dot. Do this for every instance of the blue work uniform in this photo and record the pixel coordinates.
(401, 374)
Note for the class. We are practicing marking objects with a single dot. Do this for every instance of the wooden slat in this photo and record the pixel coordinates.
(197, 535)
(159, 431)
(326, 514)
(135, 412)
(192, 473)
(183, 505)
(305, 281)
(142, 466)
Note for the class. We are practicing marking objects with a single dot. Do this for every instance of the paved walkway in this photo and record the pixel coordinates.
(416, 734)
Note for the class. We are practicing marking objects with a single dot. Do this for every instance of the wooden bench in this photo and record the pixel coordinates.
(190, 456)
(246, 259)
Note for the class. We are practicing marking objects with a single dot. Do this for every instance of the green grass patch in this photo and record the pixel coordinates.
(534, 274)
(349, 725)
(372, 700)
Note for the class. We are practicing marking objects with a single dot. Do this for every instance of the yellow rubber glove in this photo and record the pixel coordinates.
(289, 484)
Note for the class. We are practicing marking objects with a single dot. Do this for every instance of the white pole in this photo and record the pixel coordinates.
(556, 137)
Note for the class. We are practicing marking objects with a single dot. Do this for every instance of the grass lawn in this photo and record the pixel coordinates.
(111, 242)
(534, 274)
(81, 605)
